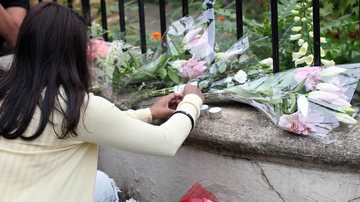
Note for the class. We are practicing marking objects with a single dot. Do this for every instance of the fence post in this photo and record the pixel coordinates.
(122, 18)
(162, 23)
(275, 35)
(86, 11)
(185, 7)
(104, 19)
(239, 19)
(142, 26)
(316, 31)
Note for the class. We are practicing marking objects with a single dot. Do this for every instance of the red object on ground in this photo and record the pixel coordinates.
(198, 193)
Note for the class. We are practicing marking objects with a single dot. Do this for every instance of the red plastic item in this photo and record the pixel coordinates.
(198, 193)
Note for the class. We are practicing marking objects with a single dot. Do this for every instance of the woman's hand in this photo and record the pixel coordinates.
(191, 89)
(165, 106)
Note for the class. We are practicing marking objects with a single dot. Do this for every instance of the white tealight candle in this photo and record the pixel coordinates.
(215, 112)
(204, 110)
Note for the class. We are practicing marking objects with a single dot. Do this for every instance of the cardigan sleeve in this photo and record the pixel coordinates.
(103, 123)
(141, 114)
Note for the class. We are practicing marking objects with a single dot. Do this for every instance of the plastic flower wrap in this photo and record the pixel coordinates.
(235, 66)
(307, 101)
(186, 54)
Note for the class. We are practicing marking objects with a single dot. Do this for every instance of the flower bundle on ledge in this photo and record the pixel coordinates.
(307, 101)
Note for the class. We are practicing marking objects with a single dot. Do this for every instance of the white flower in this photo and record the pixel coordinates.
(203, 84)
(296, 19)
(301, 42)
(297, 55)
(298, 6)
(303, 19)
(267, 62)
(329, 87)
(310, 9)
(327, 63)
(295, 37)
(323, 95)
(323, 40)
(322, 52)
(311, 34)
(294, 12)
(299, 61)
(304, 48)
(309, 59)
(345, 118)
(331, 71)
(296, 29)
(177, 64)
(303, 105)
(240, 76)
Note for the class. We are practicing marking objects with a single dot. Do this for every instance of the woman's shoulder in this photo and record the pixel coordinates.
(97, 103)
(95, 99)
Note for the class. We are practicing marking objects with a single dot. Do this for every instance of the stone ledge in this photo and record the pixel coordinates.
(244, 132)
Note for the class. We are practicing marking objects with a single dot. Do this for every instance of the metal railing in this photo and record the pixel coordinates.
(185, 12)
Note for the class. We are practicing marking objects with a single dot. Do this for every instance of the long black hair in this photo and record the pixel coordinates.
(50, 54)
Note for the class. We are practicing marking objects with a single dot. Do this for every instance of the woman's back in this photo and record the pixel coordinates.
(47, 168)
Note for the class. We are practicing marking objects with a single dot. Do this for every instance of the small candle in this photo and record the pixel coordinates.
(204, 110)
(215, 112)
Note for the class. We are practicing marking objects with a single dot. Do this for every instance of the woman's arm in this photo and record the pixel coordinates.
(11, 19)
(105, 124)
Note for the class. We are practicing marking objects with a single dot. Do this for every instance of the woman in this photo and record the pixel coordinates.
(50, 125)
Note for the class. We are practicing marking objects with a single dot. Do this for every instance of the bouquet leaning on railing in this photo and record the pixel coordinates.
(188, 54)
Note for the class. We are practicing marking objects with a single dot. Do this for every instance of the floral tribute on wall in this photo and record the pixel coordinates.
(307, 101)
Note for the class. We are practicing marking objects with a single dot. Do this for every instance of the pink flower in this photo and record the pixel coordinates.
(310, 74)
(192, 35)
(298, 123)
(97, 48)
(192, 69)
(198, 44)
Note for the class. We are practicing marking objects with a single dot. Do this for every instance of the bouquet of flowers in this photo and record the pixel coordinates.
(189, 54)
(307, 101)
(112, 61)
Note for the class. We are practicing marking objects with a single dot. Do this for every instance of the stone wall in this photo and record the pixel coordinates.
(244, 157)
(149, 178)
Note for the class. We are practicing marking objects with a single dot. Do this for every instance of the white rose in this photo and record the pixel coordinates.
(240, 76)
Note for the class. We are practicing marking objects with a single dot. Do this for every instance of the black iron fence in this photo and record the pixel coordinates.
(85, 4)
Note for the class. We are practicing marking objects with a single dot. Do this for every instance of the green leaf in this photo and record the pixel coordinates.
(222, 68)
(161, 73)
(293, 105)
(299, 86)
(174, 76)
(289, 104)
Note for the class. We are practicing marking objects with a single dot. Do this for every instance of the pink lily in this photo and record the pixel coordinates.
(310, 74)
(298, 123)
